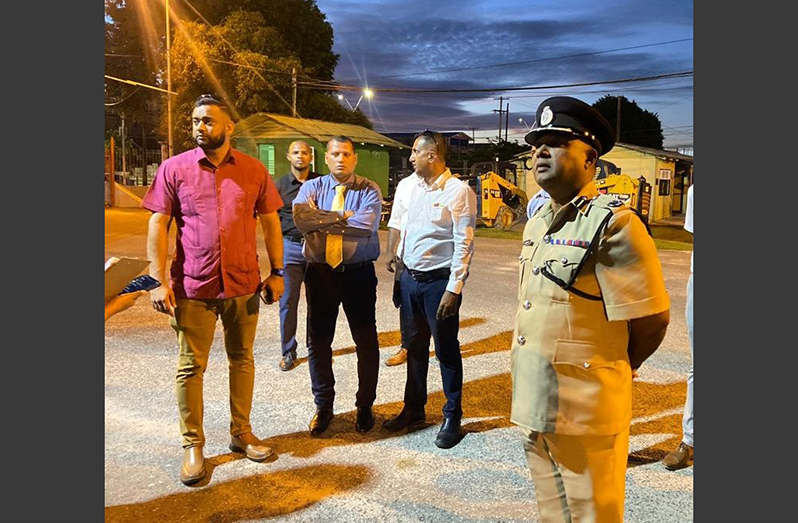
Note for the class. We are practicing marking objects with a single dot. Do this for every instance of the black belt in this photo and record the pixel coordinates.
(294, 239)
(422, 276)
(344, 267)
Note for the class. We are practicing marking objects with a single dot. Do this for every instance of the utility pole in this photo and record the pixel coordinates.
(500, 111)
(124, 156)
(472, 129)
(168, 85)
(507, 123)
(293, 87)
(618, 120)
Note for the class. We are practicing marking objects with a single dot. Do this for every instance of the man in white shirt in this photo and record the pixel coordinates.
(682, 456)
(436, 246)
(536, 202)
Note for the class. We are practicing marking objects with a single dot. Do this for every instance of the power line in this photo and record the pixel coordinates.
(436, 71)
(131, 82)
(342, 87)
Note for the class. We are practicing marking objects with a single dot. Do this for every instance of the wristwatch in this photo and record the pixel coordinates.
(278, 272)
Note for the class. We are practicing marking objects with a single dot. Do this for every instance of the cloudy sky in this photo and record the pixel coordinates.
(387, 43)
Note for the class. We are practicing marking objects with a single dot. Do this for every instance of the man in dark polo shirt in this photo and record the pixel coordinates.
(299, 156)
(215, 196)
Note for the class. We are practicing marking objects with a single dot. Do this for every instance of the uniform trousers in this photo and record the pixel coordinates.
(578, 479)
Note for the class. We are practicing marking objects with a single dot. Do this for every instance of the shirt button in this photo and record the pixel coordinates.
(587, 365)
(527, 305)
(521, 340)
(535, 270)
(547, 238)
(520, 258)
(564, 261)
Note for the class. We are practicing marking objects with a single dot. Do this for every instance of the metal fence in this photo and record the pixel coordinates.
(135, 165)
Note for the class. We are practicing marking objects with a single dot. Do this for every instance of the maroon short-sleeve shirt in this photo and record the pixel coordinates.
(215, 210)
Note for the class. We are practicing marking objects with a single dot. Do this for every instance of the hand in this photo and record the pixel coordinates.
(272, 289)
(119, 303)
(390, 262)
(397, 294)
(163, 299)
(348, 214)
(450, 303)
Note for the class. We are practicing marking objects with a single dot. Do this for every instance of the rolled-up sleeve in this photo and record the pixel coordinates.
(366, 219)
(307, 218)
(464, 217)
(628, 270)
(161, 195)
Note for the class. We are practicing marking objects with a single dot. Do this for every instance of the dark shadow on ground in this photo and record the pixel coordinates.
(650, 399)
(394, 339)
(252, 498)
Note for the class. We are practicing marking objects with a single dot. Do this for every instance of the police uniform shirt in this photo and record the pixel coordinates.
(570, 368)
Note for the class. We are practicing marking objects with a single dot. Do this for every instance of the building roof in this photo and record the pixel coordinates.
(645, 150)
(458, 134)
(261, 124)
(656, 152)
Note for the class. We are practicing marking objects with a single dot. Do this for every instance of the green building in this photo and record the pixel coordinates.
(267, 137)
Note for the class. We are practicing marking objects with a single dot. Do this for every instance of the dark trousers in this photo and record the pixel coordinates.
(356, 290)
(289, 302)
(420, 302)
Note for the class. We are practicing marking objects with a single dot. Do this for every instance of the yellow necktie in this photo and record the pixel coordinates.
(335, 242)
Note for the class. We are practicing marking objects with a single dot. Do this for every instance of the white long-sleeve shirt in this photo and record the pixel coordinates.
(438, 230)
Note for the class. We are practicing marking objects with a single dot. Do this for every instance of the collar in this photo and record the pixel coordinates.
(294, 181)
(580, 202)
(439, 182)
(346, 183)
(199, 156)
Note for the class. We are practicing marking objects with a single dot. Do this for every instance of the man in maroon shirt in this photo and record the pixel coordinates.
(214, 193)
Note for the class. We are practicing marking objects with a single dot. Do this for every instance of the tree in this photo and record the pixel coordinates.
(502, 149)
(638, 126)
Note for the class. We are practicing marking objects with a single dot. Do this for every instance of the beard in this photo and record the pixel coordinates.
(212, 143)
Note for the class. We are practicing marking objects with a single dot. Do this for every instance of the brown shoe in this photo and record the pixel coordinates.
(251, 446)
(192, 470)
(680, 458)
(288, 362)
(398, 358)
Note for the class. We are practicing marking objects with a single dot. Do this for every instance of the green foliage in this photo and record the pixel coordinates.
(488, 152)
(638, 126)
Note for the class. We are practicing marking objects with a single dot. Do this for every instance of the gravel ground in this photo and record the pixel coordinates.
(349, 477)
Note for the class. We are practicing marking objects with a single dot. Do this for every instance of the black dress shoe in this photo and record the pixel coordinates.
(365, 419)
(405, 419)
(321, 421)
(450, 434)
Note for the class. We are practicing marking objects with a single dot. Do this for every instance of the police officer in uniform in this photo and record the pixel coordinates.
(592, 308)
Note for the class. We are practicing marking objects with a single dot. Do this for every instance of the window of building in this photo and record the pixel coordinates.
(266, 157)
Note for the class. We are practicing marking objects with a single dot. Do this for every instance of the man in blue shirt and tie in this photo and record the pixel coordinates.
(339, 214)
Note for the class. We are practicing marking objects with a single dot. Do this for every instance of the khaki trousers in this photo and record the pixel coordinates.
(195, 323)
(578, 479)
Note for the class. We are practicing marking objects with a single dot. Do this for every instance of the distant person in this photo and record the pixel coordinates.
(592, 308)
(216, 196)
(117, 304)
(437, 247)
(294, 262)
(339, 215)
(683, 455)
(536, 202)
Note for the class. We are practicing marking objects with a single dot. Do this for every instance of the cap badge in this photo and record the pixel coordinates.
(546, 116)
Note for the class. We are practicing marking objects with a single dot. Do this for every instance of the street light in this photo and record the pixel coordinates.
(367, 93)
(524, 122)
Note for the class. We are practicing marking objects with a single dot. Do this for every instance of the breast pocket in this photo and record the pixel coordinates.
(566, 266)
(188, 196)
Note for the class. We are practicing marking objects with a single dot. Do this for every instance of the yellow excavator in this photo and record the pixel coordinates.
(500, 203)
(636, 193)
